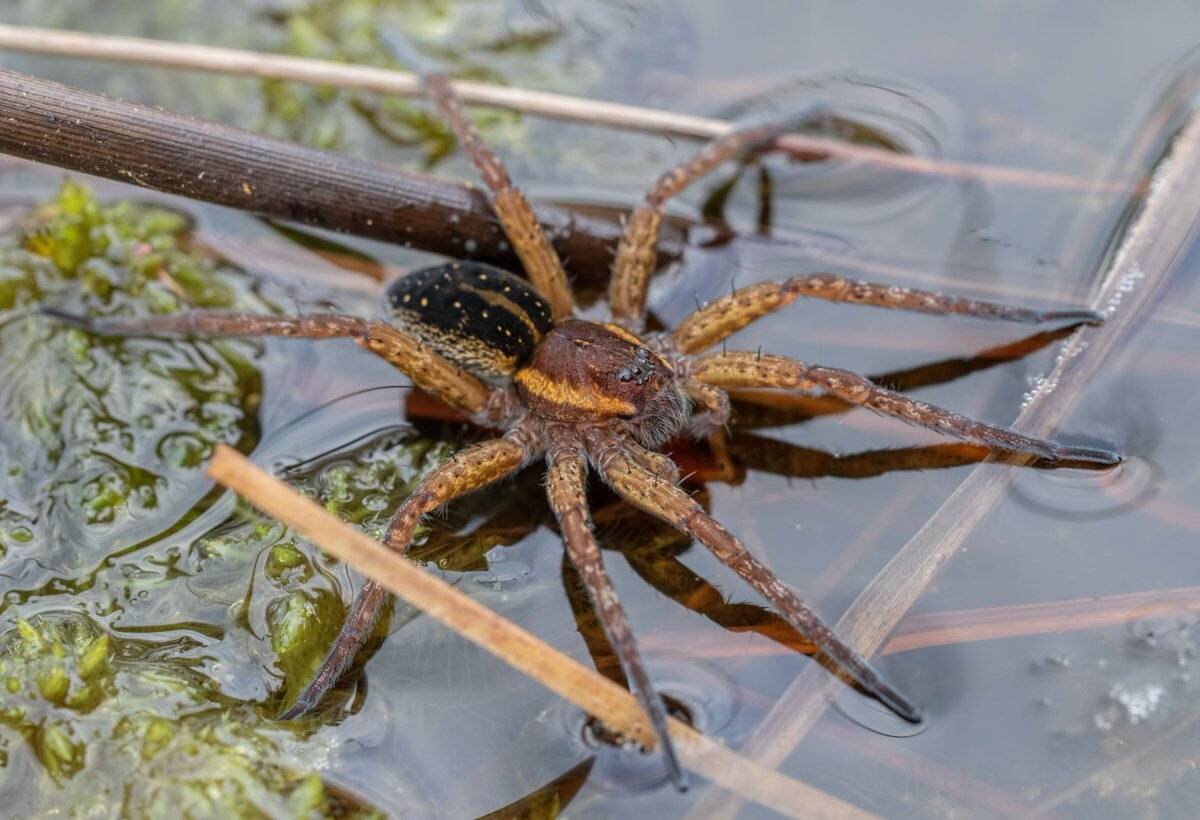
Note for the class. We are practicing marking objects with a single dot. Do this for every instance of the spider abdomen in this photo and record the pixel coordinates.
(483, 318)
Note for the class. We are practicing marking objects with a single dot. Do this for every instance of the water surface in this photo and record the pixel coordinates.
(1090, 722)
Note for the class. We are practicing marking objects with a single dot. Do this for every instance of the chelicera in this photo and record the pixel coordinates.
(604, 396)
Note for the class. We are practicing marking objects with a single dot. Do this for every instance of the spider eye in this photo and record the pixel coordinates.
(640, 371)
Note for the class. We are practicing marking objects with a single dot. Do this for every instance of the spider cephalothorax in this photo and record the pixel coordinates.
(588, 373)
(587, 395)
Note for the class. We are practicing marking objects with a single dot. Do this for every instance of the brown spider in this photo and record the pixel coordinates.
(511, 354)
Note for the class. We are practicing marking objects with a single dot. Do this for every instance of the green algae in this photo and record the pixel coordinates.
(442, 35)
(103, 443)
(81, 417)
(85, 701)
(304, 594)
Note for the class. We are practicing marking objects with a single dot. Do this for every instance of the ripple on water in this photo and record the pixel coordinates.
(872, 715)
(879, 114)
(696, 693)
(1079, 495)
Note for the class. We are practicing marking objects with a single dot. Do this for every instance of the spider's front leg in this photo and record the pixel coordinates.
(723, 317)
(464, 472)
(743, 369)
(429, 371)
(616, 459)
(566, 489)
(758, 407)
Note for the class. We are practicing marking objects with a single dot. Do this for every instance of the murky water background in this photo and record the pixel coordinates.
(1094, 722)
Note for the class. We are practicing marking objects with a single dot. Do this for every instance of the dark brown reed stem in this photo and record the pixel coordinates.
(96, 134)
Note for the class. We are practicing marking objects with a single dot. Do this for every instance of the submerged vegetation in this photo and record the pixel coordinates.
(367, 32)
(111, 726)
(104, 441)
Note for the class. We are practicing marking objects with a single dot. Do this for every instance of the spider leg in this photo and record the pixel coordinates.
(747, 369)
(566, 489)
(636, 252)
(771, 408)
(428, 370)
(520, 224)
(711, 424)
(588, 625)
(650, 548)
(466, 471)
(643, 489)
(723, 317)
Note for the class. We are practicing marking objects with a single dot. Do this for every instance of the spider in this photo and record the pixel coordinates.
(605, 396)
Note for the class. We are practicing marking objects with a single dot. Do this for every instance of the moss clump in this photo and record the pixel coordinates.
(220, 767)
(163, 745)
(107, 432)
(304, 608)
(52, 671)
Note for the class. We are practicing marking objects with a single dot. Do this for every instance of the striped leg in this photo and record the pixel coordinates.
(428, 370)
(667, 501)
(638, 248)
(745, 369)
(565, 487)
(723, 317)
(469, 470)
(529, 241)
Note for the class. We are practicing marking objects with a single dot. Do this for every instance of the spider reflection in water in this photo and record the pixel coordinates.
(605, 396)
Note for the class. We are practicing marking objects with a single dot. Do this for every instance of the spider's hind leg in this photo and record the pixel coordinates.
(637, 251)
(615, 459)
(520, 224)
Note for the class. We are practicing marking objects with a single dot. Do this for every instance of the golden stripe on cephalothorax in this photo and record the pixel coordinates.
(546, 389)
(590, 373)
